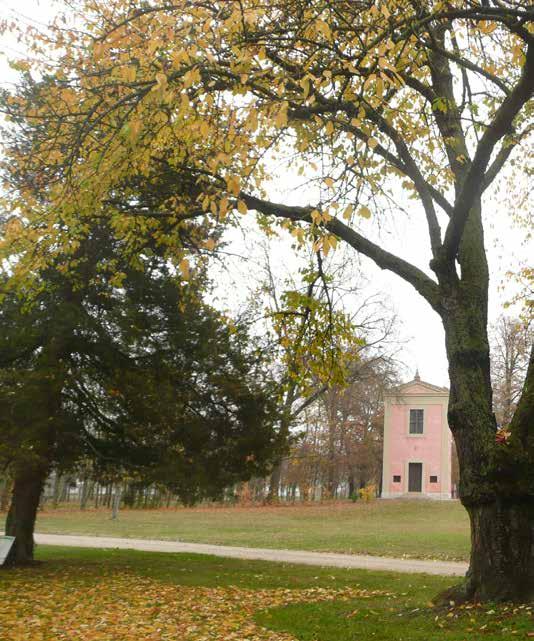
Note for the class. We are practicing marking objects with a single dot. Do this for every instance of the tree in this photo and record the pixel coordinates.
(318, 329)
(316, 342)
(357, 419)
(432, 98)
(341, 441)
(125, 367)
(510, 342)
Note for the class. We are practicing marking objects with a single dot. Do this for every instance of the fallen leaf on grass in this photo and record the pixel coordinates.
(71, 606)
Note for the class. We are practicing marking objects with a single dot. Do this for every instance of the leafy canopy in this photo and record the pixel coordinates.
(428, 95)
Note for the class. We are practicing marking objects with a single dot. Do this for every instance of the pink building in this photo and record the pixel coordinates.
(417, 442)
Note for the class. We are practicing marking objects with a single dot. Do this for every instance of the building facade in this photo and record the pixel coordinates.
(417, 442)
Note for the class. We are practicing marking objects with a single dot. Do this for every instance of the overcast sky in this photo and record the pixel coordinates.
(420, 326)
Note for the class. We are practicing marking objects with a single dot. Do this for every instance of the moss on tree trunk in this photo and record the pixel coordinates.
(496, 486)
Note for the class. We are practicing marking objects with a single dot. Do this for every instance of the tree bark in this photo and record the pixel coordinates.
(22, 513)
(502, 552)
(273, 495)
(496, 480)
(85, 493)
(5, 494)
(351, 485)
(116, 501)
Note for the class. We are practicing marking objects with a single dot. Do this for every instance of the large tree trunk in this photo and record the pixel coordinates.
(22, 513)
(496, 477)
(502, 552)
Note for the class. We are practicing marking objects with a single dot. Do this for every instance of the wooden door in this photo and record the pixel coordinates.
(415, 477)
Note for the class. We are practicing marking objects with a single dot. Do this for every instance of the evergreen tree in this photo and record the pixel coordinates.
(128, 367)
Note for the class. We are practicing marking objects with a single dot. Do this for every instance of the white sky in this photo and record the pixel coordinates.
(421, 327)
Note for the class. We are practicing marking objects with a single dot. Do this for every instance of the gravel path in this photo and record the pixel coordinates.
(324, 559)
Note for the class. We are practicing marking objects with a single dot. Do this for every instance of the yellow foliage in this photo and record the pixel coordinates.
(223, 101)
(367, 493)
(185, 268)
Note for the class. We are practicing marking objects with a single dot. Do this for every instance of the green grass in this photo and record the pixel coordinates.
(402, 612)
(391, 619)
(200, 570)
(419, 529)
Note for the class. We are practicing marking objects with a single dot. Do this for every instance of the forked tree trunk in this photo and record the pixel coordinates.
(22, 513)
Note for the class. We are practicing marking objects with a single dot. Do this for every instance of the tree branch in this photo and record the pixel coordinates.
(501, 125)
(502, 156)
(522, 420)
(427, 287)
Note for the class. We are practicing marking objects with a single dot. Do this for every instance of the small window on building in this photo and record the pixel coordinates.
(396, 478)
(416, 421)
(433, 479)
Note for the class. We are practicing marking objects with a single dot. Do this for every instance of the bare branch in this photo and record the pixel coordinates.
(502, 156)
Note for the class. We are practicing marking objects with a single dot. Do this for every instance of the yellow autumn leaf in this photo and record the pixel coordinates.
(233, 184)
(161, 82)
(324, 28)
(316, 216)
(364, 212)
(206, 203)
(185, 268)
(252, 120)
(347, 213)
(97, 602)
(223, 206)
(130, 73)
(241, 207)
(281, 117)
(305, 83)
(135, 128)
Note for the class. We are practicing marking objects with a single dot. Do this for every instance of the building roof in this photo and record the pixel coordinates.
(417, 387)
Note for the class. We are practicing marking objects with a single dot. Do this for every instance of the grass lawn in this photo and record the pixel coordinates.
(112, 595)
(419, 529)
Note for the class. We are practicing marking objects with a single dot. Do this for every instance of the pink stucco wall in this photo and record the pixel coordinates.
(426, 448)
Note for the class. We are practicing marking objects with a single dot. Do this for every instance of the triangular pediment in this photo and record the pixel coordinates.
(418, 387)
